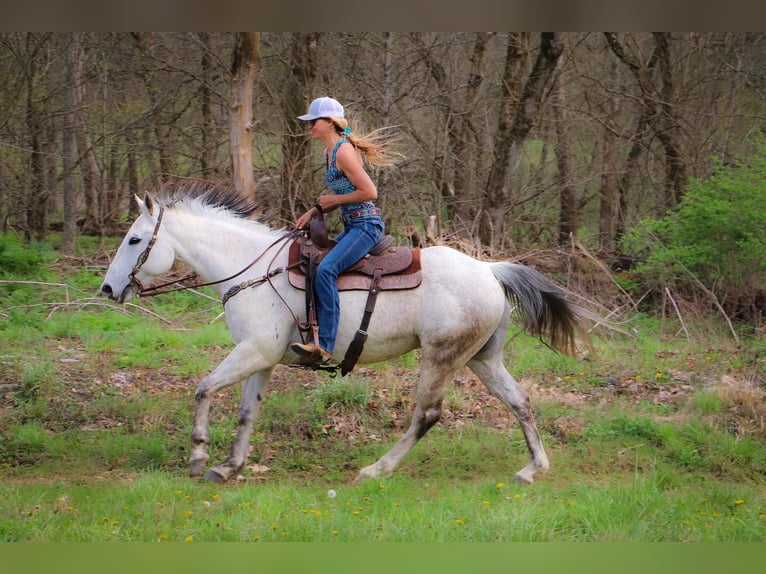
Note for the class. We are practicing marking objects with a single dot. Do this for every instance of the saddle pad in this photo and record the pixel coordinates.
(350, 280)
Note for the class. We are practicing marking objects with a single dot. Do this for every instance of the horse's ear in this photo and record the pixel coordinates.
(145, 205)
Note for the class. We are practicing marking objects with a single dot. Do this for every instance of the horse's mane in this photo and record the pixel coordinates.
(205, 194)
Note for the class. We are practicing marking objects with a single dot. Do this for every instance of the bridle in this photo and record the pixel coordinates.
(134, 280)
(163, 288)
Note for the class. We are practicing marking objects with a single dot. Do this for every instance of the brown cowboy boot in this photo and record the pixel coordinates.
(311, 351)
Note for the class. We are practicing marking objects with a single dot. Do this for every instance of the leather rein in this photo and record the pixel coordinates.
(163, 287)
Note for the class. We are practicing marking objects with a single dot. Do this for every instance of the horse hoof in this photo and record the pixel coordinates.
(197, 467)
(215, 476)
(521, 478)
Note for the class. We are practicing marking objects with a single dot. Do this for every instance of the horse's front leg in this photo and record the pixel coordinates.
(252, 398)
(200, 437)
(239, 365)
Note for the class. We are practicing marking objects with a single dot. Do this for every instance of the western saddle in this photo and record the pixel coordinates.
(386, 267)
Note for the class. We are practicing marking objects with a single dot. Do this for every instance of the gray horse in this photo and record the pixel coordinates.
(459, 316)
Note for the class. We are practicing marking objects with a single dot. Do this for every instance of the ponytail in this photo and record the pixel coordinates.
(376, 147)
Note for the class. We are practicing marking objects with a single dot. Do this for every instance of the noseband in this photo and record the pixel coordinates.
(145, 255)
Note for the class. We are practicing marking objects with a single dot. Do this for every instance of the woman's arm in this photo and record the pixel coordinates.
(349, 162)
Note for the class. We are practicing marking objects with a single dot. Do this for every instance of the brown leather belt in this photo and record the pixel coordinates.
(366, 212)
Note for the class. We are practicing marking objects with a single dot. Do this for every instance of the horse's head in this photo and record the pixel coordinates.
(143, 255)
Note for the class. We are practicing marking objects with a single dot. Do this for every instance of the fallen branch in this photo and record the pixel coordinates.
(705, 290)
(603, 268)
(90, 302)
(42, 283)
(678, 312)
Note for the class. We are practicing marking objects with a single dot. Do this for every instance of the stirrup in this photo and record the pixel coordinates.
(311, 351)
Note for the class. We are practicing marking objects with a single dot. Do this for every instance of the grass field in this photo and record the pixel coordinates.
(658, 437)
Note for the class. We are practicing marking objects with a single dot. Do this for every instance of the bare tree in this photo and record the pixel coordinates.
(242, 75)
(657, 100)
(297, 91)
(36, 204)
(509, 136)
(568, 202)
(457, 112)
(206, 105)
(636, 116)
(74, 64)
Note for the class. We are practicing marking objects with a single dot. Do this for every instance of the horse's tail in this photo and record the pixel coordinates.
(545, 311)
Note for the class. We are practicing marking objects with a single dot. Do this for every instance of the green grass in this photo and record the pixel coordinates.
(158, 507)
(96, 419)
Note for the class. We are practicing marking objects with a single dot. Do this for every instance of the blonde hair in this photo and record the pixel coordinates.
(376, 147)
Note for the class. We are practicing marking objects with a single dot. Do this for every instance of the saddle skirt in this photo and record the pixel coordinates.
(398, 266)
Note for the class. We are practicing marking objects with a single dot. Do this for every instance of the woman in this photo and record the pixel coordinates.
(355, 193)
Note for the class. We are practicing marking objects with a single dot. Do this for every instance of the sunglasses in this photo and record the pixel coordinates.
(312, 122)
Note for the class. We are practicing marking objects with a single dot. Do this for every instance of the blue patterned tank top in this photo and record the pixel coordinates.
(339, 183)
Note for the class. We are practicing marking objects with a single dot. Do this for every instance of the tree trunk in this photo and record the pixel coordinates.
(497, 193)
(668, 129)
(297, 192)
(241, 112)
(206, 104)
(568, 206)
(385, 111)
(130, 138)
(657, 103)
(73, 78)
(628, 173)
(608, 192)
(36, 205)
(158, 124)
(456, 184)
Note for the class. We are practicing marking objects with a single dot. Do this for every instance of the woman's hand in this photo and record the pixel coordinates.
(329, 201)
(303, 220)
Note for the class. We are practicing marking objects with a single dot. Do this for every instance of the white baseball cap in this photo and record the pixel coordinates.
(323, 108)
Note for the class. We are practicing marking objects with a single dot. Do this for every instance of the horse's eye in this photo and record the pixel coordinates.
(134, 240)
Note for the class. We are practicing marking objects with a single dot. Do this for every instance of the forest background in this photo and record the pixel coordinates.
(633, 152)
(629, 167)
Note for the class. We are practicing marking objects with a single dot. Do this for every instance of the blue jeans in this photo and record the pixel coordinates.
(356, 240)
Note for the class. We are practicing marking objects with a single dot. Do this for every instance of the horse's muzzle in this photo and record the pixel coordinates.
(126, 293)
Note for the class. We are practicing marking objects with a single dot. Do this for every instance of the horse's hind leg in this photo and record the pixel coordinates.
(431, 390)
(488, 366)
(252, 398)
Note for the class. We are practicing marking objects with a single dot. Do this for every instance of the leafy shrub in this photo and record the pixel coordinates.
(717, 236)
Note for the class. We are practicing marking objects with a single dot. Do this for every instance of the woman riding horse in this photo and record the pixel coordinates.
(355, 193)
